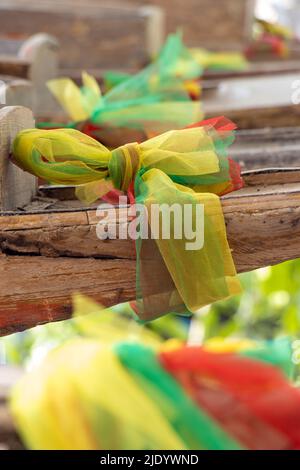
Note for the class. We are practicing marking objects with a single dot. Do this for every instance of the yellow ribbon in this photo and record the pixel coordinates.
(178, 167)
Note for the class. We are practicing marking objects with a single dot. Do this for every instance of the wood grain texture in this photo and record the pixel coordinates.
(223, 23)
(48, 256)
(267, 147)
(12, 65)
(42, 293)
(16, 187)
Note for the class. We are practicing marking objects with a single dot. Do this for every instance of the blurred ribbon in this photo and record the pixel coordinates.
(184, 64)
(174, 62)
(219, 61)
(154, 100)
(98, 391)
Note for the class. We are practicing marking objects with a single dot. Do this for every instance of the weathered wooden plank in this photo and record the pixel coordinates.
(265, 148)
(225, 25)
(16, 187)
(256, 102)
(221, 24)
(13, 65)
(91, 35)
(66, 255)
(43, 291)
(268, 135)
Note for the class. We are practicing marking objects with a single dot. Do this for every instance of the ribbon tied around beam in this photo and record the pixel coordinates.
(186, 168)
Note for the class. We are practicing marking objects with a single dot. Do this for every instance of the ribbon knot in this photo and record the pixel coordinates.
(124, 164)
(184, 168)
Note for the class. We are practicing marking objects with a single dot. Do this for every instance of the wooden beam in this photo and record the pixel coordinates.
(256, 102)
(264, 148)
(47, 256)
(16, 187)
(44, 294)
(91, 35)
(197, 18)
(14, 66)
(205, 25)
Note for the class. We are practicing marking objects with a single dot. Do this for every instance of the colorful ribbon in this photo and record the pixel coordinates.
(174, 62)
(154, 100)
(271, 38)
(219, 61)
(188, 168)
(101, 392)
(186, 65)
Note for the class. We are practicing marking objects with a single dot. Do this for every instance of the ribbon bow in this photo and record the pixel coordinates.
(154, 100)
(186, 167)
